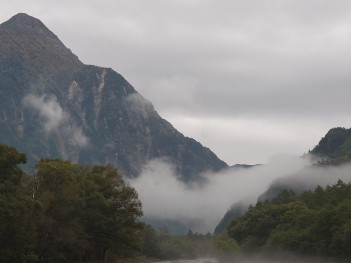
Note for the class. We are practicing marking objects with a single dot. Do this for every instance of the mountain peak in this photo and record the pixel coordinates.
(55, 106)
(25, 42)
(27, 22)
(23, 19)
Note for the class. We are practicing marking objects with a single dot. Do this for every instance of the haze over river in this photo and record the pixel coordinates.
(253, 259)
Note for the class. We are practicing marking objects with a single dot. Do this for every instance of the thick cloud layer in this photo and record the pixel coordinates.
(165, 197)
(259, 67)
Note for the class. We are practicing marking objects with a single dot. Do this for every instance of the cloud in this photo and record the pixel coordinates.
(49, 110)
(258, 60)
(77, 136)
(165, 197)
(138, 104)
(54, 119)
(238, 139)
(312, 176)
(179, 88)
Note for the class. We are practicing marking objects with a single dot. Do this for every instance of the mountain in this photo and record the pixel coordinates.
(243, 166)
(335, 146)
(236, 210)
(333, 149)
(52, 105)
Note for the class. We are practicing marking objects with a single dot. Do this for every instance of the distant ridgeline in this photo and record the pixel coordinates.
(54, 106)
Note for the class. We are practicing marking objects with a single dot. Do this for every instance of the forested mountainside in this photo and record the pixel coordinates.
(335, 146)
(52, 105)
(315, 223)
(332, 150)
(236, 210)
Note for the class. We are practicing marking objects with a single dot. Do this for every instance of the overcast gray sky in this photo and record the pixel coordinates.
(248, 79)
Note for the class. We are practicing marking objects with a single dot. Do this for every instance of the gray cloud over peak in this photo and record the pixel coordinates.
(282, 66)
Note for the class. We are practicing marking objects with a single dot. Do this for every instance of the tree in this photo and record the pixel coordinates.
(150, 245)
(110, 213)
(10, 161)
(65, 212)
(226, 246)
(17, 234)
(84, 213)
(56, 192)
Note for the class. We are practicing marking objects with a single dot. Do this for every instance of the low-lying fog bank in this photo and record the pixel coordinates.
(164, 197)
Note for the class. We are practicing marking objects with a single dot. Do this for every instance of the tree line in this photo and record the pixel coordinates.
(65, 212)
(314, 223)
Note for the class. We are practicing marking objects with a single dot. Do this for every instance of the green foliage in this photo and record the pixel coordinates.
(238, 209)
(65, 212)
(16, 228)
(150, 246)
(158, 244)
(335, 145)
(226, 246)
(10, 160)
(110, 211)
(313, 223)
(193, 245)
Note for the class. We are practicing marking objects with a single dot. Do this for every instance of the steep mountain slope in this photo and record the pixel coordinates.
(52, 105)
(335, 146)
(236, 210)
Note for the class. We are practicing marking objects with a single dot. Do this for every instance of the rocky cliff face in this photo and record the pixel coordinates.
(52, 105)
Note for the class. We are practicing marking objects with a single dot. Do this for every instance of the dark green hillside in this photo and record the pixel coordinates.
(236, 210)
(54, 106)
(335, 146)
(313, 223)
(333, 149)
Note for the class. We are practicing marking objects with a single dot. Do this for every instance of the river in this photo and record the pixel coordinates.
(253, 260)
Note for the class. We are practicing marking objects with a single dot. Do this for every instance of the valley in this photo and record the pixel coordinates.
(90, 172)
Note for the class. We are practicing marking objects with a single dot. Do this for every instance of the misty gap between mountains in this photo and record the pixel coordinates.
(165, 197)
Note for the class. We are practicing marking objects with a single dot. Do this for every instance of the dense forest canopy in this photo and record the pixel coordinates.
(335, 146)
(314, 223)
(65, 212)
